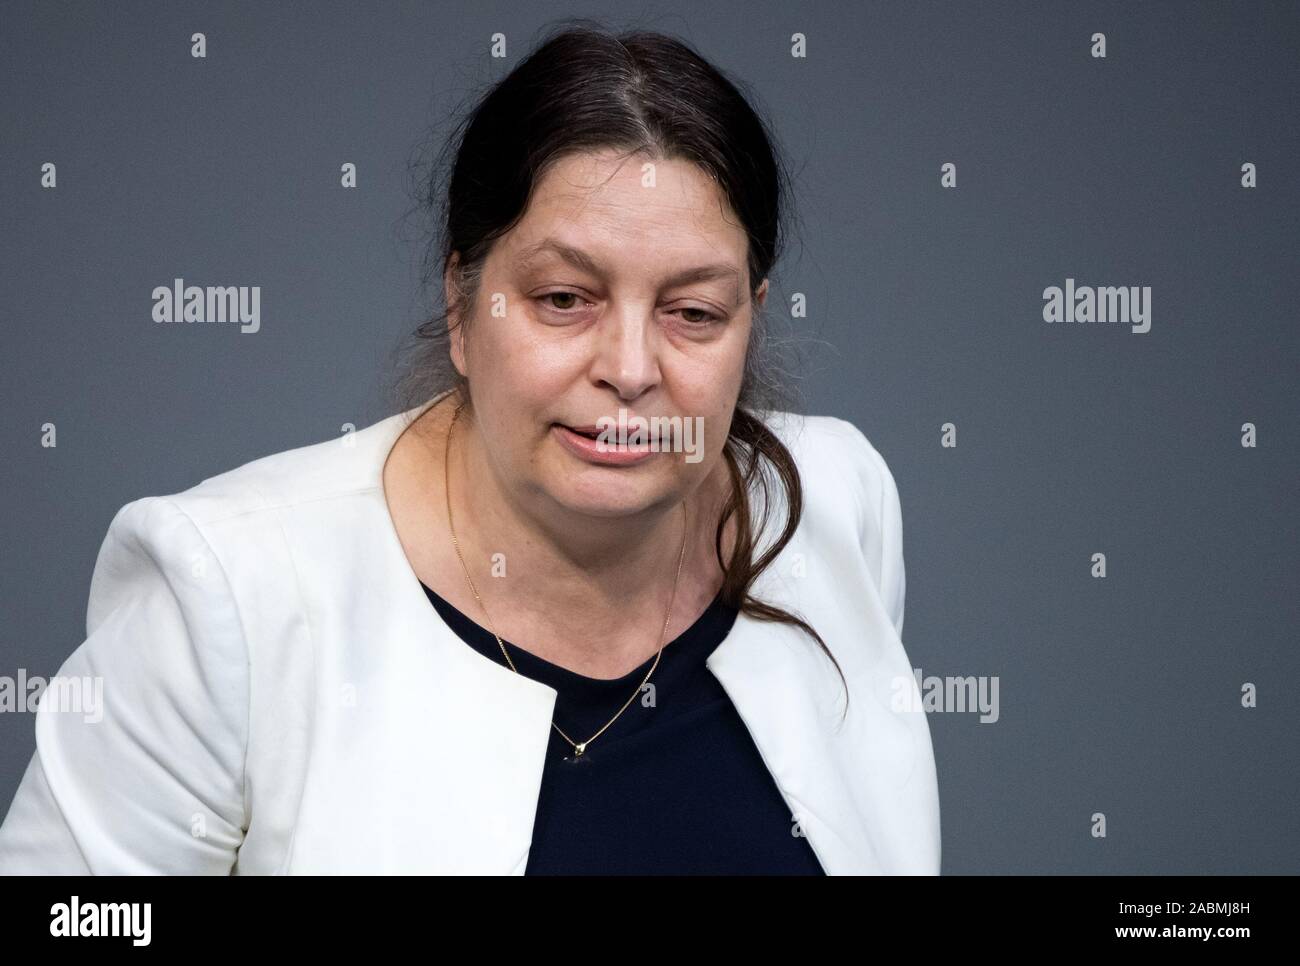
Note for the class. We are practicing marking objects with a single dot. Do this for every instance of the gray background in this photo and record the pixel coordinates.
(1118, 695)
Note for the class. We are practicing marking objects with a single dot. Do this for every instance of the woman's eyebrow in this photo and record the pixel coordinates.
(581, 260)
(574, 256)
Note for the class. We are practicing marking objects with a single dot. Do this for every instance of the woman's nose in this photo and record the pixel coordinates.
(626, 354)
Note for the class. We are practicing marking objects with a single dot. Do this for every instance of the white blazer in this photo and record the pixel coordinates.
(280, 697)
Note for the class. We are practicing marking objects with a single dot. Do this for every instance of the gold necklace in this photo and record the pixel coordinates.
(579, 747)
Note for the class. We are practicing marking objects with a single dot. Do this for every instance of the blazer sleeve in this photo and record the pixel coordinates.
(880, 522)
(144, 774)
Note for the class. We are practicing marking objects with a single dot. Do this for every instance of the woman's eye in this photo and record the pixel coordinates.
(567, 302)
(706, 317)
(561, 295)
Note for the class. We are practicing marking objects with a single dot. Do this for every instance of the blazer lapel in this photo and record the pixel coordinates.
(464, 737)
(787, 693)
(495, 726)
(860, 779)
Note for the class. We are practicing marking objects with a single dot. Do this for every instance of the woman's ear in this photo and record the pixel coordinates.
(761, 296)
(453, 299)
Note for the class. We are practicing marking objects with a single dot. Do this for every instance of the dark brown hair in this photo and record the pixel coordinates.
(584, 89)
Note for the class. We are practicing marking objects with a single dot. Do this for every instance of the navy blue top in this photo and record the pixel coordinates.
(676, 785)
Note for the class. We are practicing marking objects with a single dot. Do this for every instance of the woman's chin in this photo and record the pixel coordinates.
(596, 495)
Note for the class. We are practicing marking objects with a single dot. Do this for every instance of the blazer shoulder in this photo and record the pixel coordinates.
(841, 472)
(153, 539)
(113, 791)
(880, 522)
(838, 465)
(866, 469)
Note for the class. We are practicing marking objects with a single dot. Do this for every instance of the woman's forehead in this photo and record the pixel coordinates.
(585, 221)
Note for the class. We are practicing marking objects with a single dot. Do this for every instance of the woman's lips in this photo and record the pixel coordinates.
(593, 451)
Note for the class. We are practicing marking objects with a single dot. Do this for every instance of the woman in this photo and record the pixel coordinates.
(473, 638)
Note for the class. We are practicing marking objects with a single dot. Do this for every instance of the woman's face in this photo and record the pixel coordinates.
(624, 286)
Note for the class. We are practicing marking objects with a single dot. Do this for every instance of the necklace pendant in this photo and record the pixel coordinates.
(579, 748)
(578, 756)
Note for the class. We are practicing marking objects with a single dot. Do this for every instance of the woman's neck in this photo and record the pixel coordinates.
(586, 593)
